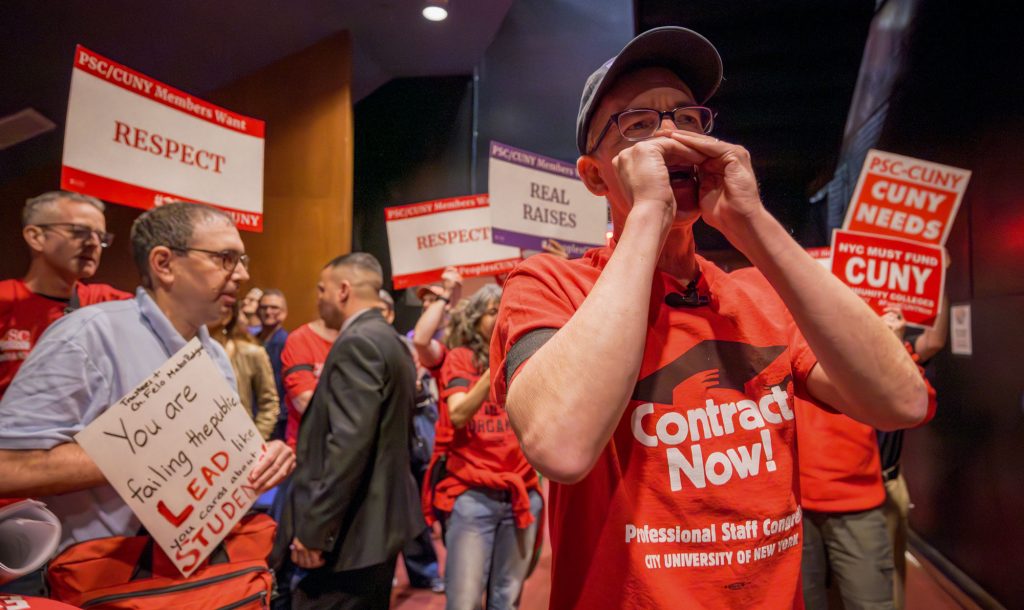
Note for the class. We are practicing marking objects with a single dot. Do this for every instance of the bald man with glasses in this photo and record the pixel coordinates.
(66, 235)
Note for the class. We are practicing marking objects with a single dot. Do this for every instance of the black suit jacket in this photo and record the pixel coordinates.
(353, 495)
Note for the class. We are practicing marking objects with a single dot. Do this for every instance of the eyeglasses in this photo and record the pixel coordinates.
(229, 259)
(637, 124)
(82, 232)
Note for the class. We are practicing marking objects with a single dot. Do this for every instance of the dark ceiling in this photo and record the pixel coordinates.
(199, 46)
(790, 65)
(790, 70)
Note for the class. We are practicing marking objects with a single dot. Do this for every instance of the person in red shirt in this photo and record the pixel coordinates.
(655, 390)
(846, 537)
(66, 233)
(489, 493)
(427, 338)
(841, 494)
(301, 362)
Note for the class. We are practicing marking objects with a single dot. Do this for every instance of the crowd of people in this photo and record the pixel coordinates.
(662, 397)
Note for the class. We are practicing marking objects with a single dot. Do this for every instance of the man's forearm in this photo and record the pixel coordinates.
(463, 406)
(570, 395)
(871, 371)
(38, 472)
(301, 401)
(430, 320)
(428, 350)
(932, 340)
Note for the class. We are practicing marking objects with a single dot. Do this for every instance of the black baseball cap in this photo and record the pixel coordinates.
(691, 56)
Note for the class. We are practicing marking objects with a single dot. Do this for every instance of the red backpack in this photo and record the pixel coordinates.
(132, 573)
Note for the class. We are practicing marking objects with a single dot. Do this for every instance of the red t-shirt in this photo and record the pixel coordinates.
(301, 363)
(840, 470)
(483, 453)
(24, 315)
(694, 501)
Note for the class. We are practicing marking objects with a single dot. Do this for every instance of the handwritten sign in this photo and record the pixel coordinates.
(424, 238)
(535, 198)
(903, 197)
(133, 140)
(885, 271)
(178, 449)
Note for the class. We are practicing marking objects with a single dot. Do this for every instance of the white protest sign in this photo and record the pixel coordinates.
(133, 140)
(906, 198)
(178, 449)
(424, 238)
(535, 198)
(960, 329)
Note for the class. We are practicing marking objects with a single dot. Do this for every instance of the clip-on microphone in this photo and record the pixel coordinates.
(689, 297)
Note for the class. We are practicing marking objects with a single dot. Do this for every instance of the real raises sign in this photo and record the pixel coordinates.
(535, 198)
(133, 140)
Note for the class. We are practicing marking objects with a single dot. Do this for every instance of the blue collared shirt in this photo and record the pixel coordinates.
(83, 363)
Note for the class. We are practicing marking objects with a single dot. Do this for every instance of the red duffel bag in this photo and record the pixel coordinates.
(133, 573)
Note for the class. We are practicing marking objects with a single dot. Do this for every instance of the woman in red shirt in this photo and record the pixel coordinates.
(489, 492)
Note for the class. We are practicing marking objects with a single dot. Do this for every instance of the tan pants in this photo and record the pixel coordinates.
(852, 551)
(896, 509)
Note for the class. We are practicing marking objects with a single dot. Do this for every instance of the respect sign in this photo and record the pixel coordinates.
(179, 449)
(426, 237)
(535, 198)
(907, 198)
(133, 140)
(885, 271)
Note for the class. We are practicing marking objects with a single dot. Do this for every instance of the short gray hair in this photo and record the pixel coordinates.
(385, 297)
(171, 225)
(274, 292)
(34, 206)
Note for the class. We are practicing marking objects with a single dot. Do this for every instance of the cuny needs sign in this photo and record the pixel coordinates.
(534, 198)
(136, 141)
(886, 271)
(179, 449)
(426, 237)
(905, 197)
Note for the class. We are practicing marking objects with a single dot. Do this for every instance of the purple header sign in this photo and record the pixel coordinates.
(535, 198)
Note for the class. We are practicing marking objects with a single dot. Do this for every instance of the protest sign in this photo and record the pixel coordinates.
(424, 238)
(908, 198)
(179, 449)
(885, 271)
(132, 140)
(534, 198)
(823, 255)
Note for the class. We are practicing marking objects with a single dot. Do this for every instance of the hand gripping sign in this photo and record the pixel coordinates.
(908, 198)
(424, 238)
(885, 271)
(132, 140)
(179, 449)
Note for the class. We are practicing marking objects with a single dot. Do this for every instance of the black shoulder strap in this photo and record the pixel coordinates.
(527, 346)
(74, 303)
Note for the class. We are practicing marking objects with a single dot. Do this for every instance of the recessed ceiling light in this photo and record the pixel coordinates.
(436, 10)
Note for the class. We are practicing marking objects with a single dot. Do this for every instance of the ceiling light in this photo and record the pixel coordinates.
(436, 10)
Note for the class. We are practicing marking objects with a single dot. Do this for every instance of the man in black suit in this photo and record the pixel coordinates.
(354, 503)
